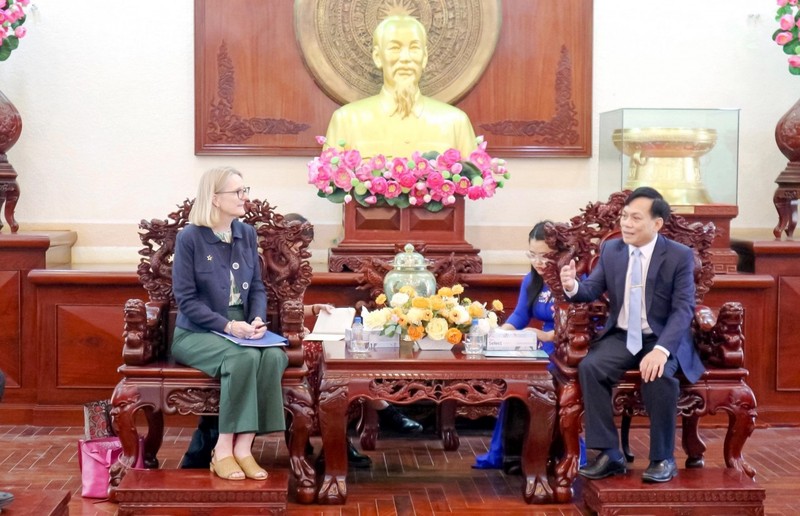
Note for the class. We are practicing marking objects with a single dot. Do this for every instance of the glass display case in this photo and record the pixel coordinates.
(689, 155)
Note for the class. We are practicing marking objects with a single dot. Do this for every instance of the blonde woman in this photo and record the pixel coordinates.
(217, 284)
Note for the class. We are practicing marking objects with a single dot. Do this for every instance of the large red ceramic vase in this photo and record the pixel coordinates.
(787, 136)
(10, 129)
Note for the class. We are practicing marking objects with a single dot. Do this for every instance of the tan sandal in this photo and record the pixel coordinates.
(251, 468)
(226, 468)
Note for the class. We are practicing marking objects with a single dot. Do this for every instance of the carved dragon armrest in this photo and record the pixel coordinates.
(719, 338)
(292, 328)
(575, 327)
(144, 331)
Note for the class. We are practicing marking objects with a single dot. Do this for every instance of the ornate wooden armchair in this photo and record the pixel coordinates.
(717, 334)
(155, 385)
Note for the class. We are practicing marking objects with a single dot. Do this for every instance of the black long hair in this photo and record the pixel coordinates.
(537, 282)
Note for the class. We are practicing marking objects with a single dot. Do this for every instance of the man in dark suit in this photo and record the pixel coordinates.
(649, 327)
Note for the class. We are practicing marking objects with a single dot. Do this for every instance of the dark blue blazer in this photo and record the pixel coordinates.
(201, 276)
(669, 296)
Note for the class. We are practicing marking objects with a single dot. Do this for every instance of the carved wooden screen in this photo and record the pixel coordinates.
(253, 94)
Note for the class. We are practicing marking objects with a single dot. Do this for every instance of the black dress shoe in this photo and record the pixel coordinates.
(660, 471)
(356, 459)
(392, 419)
(603, 467)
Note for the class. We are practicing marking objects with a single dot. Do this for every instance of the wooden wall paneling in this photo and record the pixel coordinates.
(788, 353)
(18, 255)
(253, 94)
(535, 97)
(10, 328)
(79, 339)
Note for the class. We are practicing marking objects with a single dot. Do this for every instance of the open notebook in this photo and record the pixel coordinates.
(331, 326)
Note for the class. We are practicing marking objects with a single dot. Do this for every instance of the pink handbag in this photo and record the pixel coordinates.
(95, 457)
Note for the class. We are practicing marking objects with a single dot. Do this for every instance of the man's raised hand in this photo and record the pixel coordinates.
(568, 273)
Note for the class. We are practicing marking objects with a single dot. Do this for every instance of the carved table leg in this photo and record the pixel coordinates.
(693, 444)
(369, 426)
(541, 404)
(333, 425)
(446, 415)
(785, 200)
(741, 423)
(299, 404)
(12, 196)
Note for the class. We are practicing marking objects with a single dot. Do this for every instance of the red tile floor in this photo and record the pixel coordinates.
(410, 476)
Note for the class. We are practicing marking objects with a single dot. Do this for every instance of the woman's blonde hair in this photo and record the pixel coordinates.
(204, 213)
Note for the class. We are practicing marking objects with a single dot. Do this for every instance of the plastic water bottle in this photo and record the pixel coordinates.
(476, 340)
(358, 338)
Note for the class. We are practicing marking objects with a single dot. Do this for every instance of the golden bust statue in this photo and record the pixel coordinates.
(400, 120)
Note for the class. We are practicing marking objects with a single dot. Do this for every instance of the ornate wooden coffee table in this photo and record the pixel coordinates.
(405, 376)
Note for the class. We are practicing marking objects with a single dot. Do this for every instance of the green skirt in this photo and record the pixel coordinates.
(251, 398)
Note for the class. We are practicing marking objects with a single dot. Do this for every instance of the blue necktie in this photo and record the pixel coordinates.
(634, 343)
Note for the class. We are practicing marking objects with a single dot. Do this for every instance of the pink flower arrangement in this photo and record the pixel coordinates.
(12, 16)
(430, 180)
(788, 18)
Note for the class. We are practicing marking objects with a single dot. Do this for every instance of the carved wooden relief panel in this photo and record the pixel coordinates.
(255, 95)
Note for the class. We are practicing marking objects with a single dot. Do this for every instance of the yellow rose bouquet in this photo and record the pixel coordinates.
(446, 315)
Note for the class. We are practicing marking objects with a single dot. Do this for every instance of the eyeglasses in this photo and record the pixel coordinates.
(537, 257)
(240, 193)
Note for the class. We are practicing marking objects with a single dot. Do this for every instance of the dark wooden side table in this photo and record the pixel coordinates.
(404, 375)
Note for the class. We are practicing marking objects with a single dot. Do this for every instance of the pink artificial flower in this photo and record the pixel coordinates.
(321, 140)
(793, 2)
(3, 4)
(462, 186)
(378, 186)
(352, 159)
(406, 179)
(24, 2)
(371, 199)
(328, 154)
(794, 61)
(456, 168)
(418, 194)
(20, 32)
(435, 180)
(393, 189)
(781, 3)
(313, 169)
(364, 172)
(481, 159)
(787, 22)
(449, 157)
(475, 193)
(398, 167)
(378, 162)
(783, 38)
(423, 167)
(445, 190)
(342, 178)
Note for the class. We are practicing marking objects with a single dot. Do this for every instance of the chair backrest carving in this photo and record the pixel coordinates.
(286, 271)
(582, 237)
